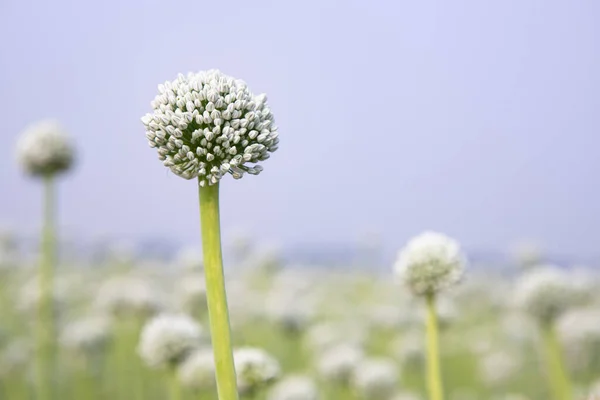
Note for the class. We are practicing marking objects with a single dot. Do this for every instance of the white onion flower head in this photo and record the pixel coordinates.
(294, 387)
(208, 124)
(192, 294)
(129, 295)
(198, 370)
(167, 339)
(44, 148)
(254, 368)
(499, 367)
(338, 363)
(406, 396)
(86, 336)
(376, 378)
(545, 293)
(579, 332)
(430, 262)
(410, 350)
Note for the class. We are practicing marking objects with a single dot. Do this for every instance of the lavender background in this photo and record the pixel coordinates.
(478, 119)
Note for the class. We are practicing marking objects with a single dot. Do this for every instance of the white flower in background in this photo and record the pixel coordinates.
(326, 335)
(338, 363)
(190, 259)
(545, 293)
(16, 355)
(86, 336)
(518, 328)
(29, 295)
(294, 387)
(579, 332)
(512, 396)
(410, 350)
(406, 396)
(594, 391)
(254, 368)
(376, 378)
(198, 369)
(446, 311)
(192, 294)
(208, 124)
(499, 368)
(429, 263)
(44, 148)
(291, 309)
(166, 340)
(129, 296)
(527, 253)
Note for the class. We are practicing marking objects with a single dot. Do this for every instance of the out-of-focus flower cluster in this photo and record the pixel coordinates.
(304, 332)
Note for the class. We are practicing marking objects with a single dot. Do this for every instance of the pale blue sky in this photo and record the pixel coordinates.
(477, 118)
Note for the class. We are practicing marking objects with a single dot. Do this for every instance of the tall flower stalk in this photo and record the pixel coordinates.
(215, 292)
(558, 378)
(546, 293)
(204, 126)
(428, 264)
(45, 318)
(434, 373)
(45, 151)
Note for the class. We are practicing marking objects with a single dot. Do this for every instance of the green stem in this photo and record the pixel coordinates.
(174, 385)
(557, 374)
(434, 376)
(45, 320)
(215, 293)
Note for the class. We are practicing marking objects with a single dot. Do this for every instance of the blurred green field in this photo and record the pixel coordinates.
(297, 314)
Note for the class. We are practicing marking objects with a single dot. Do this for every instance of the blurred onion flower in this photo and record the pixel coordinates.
(208, 124)
(499, 368)
(579, 332)
(409, 350)
(376, 378)
(15, 356)
(167, 339)
(45, 149)
(190, 259)
(429, 263)
(129, 296)
(406, 396)
(294, 387)
(255, 369)
(545, 293)
(192, 295)
(338, 363)
(86, 336)
(198, 370)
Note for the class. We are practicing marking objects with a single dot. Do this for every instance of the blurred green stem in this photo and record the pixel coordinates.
(174, 385)
(434, 376)
(557, 373)
(45, 318)
(215, 293)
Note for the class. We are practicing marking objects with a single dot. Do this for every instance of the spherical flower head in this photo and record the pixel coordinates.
(545, 293)
(198, 370)
(376, 378)
(45, 149)
(254, 368)
(294, 387)
(166, 340)
(430, 262)
(208, 124)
